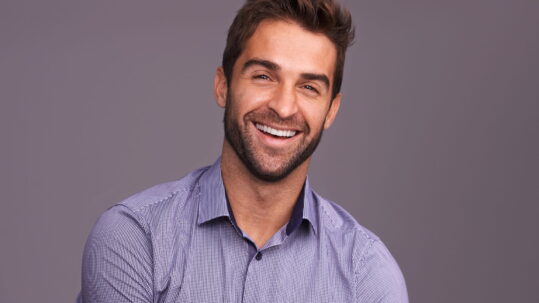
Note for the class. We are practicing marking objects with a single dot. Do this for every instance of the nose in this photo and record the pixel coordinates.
(284, 101)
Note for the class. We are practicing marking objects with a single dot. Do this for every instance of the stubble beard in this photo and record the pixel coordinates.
(246, 150)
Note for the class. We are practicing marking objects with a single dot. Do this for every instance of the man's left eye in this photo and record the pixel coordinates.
(309, 87)
(262, 76)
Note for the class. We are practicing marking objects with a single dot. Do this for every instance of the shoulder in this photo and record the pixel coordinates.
(377, 276)
(119, 253)
(136, 213)
(135, 218)
(162, 193)
(159, 203)
(339, 225)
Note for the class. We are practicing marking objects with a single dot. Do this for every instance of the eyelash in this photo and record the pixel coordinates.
(262, 76)
(309, 87)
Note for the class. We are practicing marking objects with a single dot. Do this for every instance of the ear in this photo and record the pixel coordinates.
(220, 87)
(332, 112)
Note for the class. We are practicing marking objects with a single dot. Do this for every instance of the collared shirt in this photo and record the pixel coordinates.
(178, 242)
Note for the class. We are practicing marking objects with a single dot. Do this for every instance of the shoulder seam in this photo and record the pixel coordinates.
(327, 215)
(167, 197)
(140, 220)
(137, 211)
(366, 250)
(356, 226)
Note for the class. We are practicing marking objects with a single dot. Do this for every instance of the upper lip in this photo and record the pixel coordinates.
(284, 128)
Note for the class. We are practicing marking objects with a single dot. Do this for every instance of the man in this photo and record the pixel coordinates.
(249, 228)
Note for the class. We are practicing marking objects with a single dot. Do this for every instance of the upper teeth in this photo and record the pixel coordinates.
(275, 132)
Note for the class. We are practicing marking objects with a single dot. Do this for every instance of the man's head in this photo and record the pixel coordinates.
(318, 16)
(280, 81)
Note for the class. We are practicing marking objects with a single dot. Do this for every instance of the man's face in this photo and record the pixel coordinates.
(279, 99)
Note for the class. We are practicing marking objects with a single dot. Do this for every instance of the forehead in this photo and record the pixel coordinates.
(293, 48)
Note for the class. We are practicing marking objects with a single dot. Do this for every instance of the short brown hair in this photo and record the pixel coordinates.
(319, 16)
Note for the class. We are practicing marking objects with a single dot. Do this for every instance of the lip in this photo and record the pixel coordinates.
(274, 142)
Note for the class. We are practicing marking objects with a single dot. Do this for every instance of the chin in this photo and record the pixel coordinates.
(270, 173)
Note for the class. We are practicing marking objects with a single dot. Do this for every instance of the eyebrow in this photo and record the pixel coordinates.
(275, 67)
(265, 63)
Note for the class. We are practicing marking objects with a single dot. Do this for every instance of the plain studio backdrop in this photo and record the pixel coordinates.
(435, 148)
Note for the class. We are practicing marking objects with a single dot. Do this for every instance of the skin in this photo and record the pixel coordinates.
(282, 79)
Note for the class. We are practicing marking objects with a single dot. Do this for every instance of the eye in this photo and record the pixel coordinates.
(262, 77)
(309, 87)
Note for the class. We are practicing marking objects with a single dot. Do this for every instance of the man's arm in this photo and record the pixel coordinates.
(117, 260)
(378, 277)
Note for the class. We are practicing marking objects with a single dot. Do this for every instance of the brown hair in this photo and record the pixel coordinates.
(319, 16)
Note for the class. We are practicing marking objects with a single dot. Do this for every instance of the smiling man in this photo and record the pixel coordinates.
(249, 228)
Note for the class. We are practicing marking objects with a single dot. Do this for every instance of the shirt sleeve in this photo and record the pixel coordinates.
(117, 260)
(378, 278)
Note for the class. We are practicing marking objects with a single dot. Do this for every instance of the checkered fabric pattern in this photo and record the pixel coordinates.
(178, 242)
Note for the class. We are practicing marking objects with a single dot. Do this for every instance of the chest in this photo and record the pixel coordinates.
(220, 266)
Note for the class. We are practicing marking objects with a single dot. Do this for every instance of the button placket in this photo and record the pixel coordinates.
(252, 280)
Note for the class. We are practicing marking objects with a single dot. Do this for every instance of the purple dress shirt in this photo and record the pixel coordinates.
(178, 242)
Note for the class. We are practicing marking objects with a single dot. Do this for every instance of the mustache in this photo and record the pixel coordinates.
(267, 116)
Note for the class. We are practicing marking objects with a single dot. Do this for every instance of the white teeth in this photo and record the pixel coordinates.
(275, 132)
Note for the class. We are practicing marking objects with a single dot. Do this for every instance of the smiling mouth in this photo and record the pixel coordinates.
(277, 133)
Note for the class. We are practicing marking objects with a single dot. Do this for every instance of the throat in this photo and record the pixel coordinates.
(258, 223)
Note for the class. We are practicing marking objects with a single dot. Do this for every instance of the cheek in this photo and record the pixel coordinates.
(314, 116)
(249, 99)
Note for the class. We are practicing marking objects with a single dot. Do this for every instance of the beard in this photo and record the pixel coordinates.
(255, 158)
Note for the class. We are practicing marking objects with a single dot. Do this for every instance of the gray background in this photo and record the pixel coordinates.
(435, 147)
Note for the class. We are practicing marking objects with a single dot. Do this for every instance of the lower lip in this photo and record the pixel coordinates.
(275, 141)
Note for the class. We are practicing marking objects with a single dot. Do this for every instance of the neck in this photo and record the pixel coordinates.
(260, 208)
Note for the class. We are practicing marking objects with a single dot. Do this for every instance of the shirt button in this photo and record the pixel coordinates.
(258, 256)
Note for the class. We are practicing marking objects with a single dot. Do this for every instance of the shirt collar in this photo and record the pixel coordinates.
(213, 202)
(212, 195)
